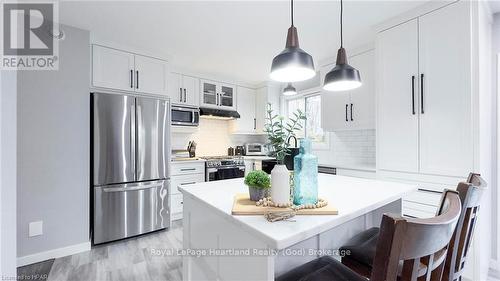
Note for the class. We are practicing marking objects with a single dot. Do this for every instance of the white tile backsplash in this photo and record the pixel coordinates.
(349, 147)
(213, 137)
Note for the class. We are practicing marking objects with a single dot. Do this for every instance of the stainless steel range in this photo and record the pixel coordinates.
(224, 167)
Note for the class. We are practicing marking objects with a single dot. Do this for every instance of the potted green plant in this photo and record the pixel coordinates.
(278, 131)
(258, 184)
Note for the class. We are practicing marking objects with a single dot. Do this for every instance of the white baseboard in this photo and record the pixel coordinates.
(52, 254)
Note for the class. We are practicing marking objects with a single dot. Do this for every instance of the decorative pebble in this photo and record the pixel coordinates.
(267, 202)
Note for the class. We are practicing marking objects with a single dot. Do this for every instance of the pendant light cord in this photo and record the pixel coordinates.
(341, 27)
(291, 11)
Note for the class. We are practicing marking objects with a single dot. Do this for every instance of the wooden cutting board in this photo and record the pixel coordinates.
(243, 206)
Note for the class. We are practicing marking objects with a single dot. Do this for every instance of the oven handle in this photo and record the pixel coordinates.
(211, 170)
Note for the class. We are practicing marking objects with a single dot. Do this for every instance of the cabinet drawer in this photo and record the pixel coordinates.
(176, 203)
(187, 168)
(424, 197)
(418, 210)
(177, 181)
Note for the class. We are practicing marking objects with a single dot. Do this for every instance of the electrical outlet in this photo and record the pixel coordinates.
(35, 228)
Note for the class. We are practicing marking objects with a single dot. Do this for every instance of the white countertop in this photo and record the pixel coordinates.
(258, 157)
(351, 166)
(353, 197)
(186, 160)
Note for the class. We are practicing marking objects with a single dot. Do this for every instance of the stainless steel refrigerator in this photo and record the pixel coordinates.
(130, 156)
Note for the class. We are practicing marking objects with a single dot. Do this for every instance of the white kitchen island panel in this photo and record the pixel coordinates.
(209, 226)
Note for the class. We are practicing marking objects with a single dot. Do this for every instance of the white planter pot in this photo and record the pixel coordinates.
(280, 184)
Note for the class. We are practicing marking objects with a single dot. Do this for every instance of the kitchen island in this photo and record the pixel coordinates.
(220, 246)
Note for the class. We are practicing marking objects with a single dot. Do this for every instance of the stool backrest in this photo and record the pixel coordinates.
(470, 194)
(412, 239)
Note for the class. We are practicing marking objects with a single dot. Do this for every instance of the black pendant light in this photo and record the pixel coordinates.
(292, 64)
(342, 77)
(289, 90)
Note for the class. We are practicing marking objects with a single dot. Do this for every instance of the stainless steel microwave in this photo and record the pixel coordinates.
(185, 116)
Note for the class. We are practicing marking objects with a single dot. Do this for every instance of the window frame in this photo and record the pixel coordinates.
(304, 94)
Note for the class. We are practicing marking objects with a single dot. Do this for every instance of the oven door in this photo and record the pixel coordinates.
(185, 116)
(224, 173)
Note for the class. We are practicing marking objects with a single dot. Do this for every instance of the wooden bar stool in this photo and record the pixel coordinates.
(403, 244)
(362, 246)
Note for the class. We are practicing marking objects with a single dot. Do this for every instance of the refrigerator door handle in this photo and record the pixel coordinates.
(133, 137)
(139, 187)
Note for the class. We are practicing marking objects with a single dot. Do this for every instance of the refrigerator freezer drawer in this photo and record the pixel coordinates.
(127, 210)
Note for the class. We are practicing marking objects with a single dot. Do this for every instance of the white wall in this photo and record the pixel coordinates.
(53, 153)
(487, 128)
(8, 174)
(495, 191)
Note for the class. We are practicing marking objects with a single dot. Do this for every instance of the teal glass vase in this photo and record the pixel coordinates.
(305, 175)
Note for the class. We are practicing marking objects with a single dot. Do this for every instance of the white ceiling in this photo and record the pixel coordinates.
(234, 39)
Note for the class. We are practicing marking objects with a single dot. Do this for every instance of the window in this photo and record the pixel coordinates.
(311, 105)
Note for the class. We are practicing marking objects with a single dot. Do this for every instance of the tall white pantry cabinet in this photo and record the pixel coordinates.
(433, 99)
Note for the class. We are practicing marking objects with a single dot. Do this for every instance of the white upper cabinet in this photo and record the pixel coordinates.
(184, 90)
(112, 69)
(424, 109)
(335, 109)
(217, 95)
(247, 123)
(268, 94)
(397, 116)
(446, 138)
(120, 70)
(362, 99)
(355, 109)
(151, 75)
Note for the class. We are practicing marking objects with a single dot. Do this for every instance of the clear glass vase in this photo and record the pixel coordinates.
(306, 175)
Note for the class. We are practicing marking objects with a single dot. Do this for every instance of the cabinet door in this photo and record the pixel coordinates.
(362, 105)
(446, 138)
(151, 75)
(112, 69)
(209, 94)
(191, 90)
(261, 110)
(397, 124)
(334, 107)
(175, 88)
(246, 108)
(227, 96)
(249, 166)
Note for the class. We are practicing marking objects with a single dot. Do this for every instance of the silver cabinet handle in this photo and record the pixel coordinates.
(180, 94)
(186, 183)
(188, 169)
(184, 94)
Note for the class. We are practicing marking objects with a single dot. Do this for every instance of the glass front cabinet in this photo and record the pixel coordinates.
(217, 95)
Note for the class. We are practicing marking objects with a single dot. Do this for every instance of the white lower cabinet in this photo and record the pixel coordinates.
(183, 173)
(421, 204)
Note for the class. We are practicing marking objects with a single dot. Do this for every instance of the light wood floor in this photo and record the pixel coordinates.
(129, 259)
